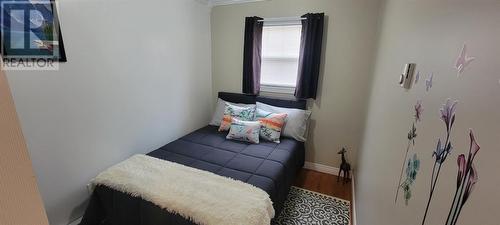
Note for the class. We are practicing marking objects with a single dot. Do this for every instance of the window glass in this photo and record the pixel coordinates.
(280, 55)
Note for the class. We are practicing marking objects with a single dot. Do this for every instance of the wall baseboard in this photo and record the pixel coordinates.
(321, 168)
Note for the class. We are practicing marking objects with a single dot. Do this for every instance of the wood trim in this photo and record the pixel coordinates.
(353, 200)
(20, 201)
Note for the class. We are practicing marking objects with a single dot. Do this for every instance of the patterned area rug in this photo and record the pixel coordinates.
(308, 207)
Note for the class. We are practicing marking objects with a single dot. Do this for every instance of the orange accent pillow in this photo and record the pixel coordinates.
(271, 125)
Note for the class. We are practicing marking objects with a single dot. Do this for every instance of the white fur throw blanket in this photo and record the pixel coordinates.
(200, 196)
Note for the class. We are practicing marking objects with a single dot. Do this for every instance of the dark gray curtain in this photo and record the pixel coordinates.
(310, 55)
(252, 55)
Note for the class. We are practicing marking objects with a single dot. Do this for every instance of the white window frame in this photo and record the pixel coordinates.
(286, 90)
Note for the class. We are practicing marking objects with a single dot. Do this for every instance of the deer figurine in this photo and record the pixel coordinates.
(344, 167)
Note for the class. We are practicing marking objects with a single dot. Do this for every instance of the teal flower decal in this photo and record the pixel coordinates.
(412, 135)
(411, 175)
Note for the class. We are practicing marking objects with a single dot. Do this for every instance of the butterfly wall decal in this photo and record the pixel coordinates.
(417, 77)
(463, 60)
(428, 82)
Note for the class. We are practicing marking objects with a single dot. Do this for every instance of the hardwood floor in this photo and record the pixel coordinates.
(324, 183)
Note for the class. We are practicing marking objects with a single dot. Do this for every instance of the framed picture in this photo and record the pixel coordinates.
(31, 30)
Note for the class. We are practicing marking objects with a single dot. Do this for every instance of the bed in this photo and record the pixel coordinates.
(269, 166)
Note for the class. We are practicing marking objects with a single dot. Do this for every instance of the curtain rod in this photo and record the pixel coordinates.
(280, 19)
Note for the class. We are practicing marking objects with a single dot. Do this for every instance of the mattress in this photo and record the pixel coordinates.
(269, 166)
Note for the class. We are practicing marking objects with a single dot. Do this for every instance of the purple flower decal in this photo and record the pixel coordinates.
(466, 180)
(418, 110)
(473, 178)
(439, 151)
(448, 113)
(474, 147)
(461, 169)
(442, 151)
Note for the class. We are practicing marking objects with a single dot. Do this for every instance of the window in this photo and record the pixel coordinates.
(280, 57)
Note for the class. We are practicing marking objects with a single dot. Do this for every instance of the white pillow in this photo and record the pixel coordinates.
(219, 111)
(297, 120)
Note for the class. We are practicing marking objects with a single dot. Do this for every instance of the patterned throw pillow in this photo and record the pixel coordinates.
(271, 125)
(219, 111)
(244, 131)
(245, 113)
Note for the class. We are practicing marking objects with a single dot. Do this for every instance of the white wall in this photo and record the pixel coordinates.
(136, 79)
(431, 33)
(346, 70)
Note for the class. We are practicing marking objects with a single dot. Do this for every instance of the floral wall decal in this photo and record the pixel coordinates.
(466, 179)
(463, 60)
(418, 110)
(412, 169)
(428, 82)
(442, 151)
(413, 164)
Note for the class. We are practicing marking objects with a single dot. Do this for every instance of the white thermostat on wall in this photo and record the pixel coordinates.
(406, 79)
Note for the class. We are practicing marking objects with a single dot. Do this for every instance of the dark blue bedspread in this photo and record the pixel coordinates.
(269, 166)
